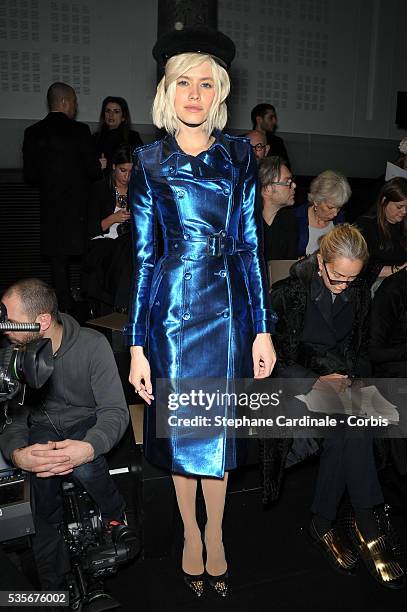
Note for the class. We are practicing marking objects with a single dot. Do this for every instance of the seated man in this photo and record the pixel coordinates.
(72, 422)
(259, 144)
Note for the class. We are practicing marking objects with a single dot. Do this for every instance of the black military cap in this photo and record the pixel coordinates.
(195, 40)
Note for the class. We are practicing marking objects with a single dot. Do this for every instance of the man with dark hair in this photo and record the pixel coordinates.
(264, 119)
(72, 422)
(59, 157)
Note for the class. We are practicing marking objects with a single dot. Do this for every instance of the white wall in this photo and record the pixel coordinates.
(332, 68)
(329, 67)
(101, 47)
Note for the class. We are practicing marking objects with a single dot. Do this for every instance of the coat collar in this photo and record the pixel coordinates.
(170, 147)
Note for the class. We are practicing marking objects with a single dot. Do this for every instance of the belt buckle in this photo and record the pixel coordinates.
(218, 245)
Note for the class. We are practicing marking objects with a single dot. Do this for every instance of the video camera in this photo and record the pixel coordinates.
(95, 553)
(30, 364)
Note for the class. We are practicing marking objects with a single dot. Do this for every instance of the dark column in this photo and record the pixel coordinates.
(179, 14)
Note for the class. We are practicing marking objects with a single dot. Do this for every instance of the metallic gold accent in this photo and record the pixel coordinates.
(220, 584)
(221, 587)
(342, 555)
(197, 585)
(386, 568)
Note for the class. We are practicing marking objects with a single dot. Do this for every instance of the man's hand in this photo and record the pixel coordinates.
(78, 451)
(43, 460)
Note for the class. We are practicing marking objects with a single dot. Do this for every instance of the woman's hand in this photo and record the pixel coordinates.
(333, 382)
(121, 215)
(103, 161)
(117, 217)
(140, 374)
(264, 356)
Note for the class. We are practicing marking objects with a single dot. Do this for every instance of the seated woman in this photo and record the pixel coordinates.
(321, 337)
(107, 268)
(388, 336)
(279, 223)
(329, 191)
(385, 231)
(114, 129)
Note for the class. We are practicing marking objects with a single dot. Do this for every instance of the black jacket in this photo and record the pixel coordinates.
(382, 252)
(85, 382)
(388, 338)
(281, 237)
(289, 299)
(277, 147)
(107, 141)
(59, 157)
(102, 203)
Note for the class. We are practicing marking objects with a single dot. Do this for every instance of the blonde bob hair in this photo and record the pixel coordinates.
(163, 111)
(343, 241)
(330, 186)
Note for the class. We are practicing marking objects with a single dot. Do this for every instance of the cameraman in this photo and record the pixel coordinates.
(77, 417)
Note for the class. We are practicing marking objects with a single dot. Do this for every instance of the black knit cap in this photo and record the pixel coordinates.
(195, 40)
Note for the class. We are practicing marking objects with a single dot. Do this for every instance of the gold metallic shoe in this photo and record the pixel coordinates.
(340, 556)
(219, 584)
(194, 582)
(379, 560)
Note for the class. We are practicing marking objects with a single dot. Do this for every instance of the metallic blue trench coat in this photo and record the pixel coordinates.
(198, 307)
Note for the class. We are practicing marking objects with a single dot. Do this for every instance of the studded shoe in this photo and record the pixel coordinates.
(218, 584)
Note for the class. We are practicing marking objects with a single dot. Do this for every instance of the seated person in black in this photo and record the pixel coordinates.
(321, 337)
(279, 223)
(114, 130)
(385, 231)
(107, 268)
(388, 336)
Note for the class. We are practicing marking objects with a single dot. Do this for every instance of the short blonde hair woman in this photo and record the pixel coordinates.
(194, 306)
(321, 340)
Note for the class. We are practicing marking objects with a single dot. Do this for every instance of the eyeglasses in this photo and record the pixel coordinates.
(287, 183)
(259, 146)
(339, 282)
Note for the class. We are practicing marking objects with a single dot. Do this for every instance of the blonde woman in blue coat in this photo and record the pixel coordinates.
(201, 310)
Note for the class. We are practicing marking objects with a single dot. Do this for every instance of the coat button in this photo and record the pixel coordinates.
(187, 275)
(223, 233)
(181, 194)
(175, 245)
(186, 236)
(157, 303)
(222, 273)
(186, 316)
(226, 191)
(171, 169)
(225, 314)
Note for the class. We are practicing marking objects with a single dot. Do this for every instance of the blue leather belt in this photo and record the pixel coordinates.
(214, 245)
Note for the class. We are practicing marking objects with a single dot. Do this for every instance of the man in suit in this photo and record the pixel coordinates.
(59, 157)
(264, 119)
